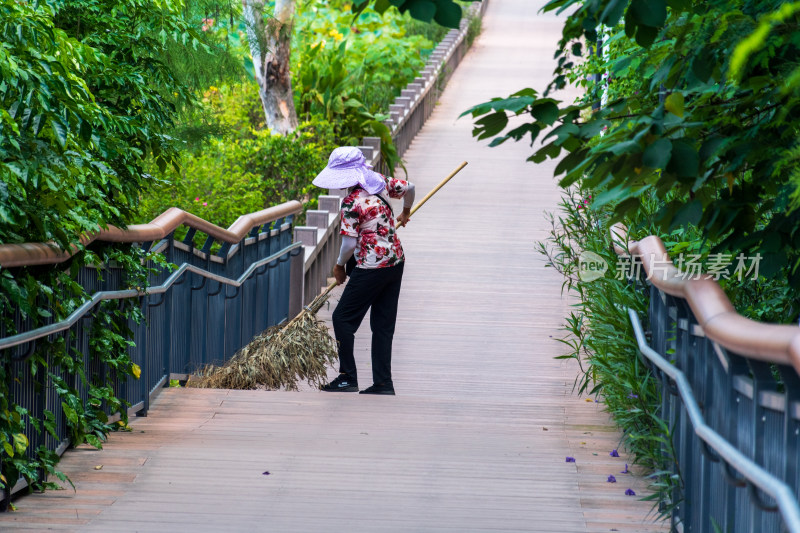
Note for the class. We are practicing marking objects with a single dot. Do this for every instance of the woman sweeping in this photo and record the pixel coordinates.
(368, 231)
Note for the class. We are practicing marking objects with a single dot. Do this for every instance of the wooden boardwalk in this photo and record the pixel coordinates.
(476, 438)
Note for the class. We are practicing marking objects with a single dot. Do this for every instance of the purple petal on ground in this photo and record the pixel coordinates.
(570, 459)
(629, 492)
(613, 453)
(265, 473)
(626, 471)
(612, 479)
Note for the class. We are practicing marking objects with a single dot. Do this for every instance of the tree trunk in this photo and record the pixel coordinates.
(270, 46)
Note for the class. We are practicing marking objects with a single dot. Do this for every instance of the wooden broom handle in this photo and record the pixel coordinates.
(427, 197)
(436, 189)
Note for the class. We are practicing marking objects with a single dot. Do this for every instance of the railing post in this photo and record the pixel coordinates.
(367, 151)
(374, 142)
(317, 218)
(307, 235)
(168, 311)
(296, 282)
(330, 203)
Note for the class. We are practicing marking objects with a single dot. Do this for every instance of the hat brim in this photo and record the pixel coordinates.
(331, 178)
(335, 178)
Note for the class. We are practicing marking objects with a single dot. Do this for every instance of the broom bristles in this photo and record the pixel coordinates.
(278, 357)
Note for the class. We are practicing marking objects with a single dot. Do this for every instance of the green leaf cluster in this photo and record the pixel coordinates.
(444, 12)
(669, 112)
(229, 177)
(85, 393)
(85, 102)
(599, 336)
(223, 52)
(348, 70)
(87, 105)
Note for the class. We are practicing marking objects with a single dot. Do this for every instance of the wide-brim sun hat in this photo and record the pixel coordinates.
(348, 167)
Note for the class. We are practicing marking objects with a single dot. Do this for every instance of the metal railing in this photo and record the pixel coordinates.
(201, 312)
(730, 394)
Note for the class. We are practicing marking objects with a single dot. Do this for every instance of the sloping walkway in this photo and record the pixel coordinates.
(477, 437)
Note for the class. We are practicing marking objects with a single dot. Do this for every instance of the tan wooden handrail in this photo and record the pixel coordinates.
(774, 343)
(29, 254)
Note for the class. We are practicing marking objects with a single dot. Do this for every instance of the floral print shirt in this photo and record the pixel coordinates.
(370, 220)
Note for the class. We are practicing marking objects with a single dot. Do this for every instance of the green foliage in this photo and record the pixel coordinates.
(444, 12)
(329, 90)
(86, 104)
(286, 165)
(755, 43)
(347, 71)
(60, 367)
(430, 30)
(241, 169)
(379, 59)
(717, 148)
(225, 50)
(228, 178)
(599, 333)
(77, 117)
(753, 296)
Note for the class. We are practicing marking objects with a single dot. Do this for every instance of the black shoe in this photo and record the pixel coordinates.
(381, 388)
(342, 383)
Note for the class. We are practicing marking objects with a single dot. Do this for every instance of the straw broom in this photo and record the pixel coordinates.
(282, 355)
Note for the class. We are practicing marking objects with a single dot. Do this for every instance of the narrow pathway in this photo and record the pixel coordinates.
(477, 437)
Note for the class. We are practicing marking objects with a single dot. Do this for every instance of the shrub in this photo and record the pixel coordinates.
(228, 177)
(599, 333)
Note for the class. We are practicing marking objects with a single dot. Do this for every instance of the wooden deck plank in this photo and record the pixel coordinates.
(477, 437)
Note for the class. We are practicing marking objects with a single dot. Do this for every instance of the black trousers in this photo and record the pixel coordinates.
(378, 288)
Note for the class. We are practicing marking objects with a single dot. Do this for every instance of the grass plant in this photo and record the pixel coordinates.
(600, 338)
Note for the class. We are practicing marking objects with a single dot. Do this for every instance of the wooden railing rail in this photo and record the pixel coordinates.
(28, 254)
(772, 343)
